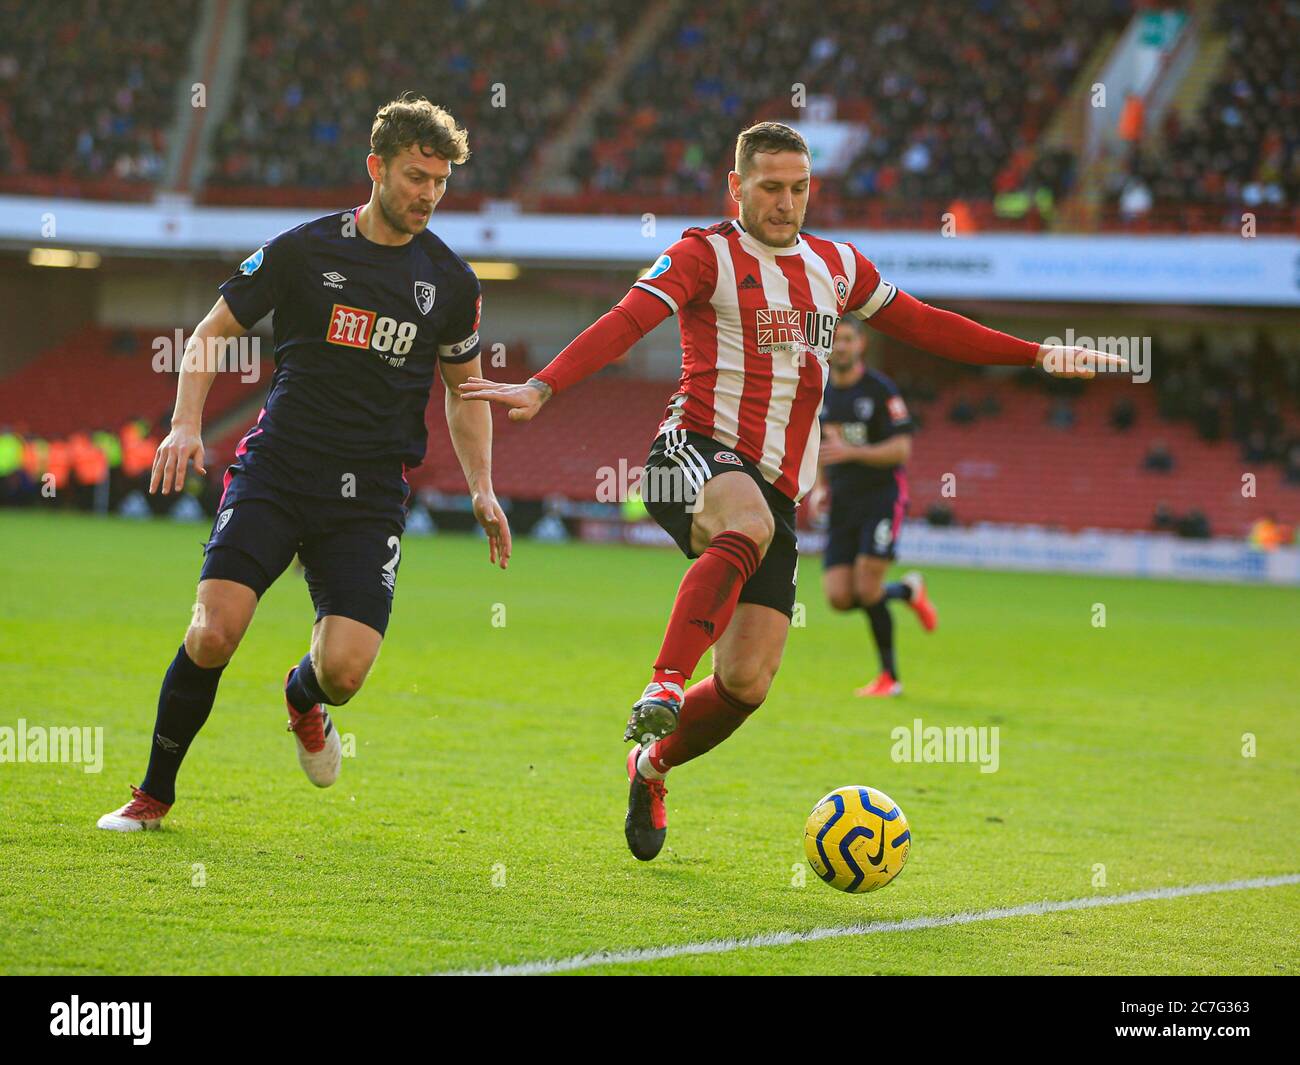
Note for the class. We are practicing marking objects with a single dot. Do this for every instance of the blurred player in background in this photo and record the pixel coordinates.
(368, 305)
(866, 441)
(758, 302)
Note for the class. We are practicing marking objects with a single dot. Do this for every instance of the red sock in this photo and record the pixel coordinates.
(709, 715)
(706, 600)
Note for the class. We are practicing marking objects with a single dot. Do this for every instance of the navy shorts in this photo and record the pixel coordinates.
(350, 547)
(680, 463)
(869, 525)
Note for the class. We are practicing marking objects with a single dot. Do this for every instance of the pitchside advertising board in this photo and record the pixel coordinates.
(1040, 550)
(1224, 270)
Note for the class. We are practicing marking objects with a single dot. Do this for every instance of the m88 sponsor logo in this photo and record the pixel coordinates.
(353, 327)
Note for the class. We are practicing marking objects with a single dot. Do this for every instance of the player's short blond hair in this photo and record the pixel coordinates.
(767, 137)
(411, 119)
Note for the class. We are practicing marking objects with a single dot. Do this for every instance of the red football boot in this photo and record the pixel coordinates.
(320, 752)
(920, 602)
(142, 812)
(883, 686)
(646, 826)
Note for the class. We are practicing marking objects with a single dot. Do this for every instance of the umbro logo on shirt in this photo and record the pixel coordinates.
(749, 282)
(333, 279)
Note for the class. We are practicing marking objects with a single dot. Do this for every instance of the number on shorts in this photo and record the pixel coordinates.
(390, 567)
(884, 533)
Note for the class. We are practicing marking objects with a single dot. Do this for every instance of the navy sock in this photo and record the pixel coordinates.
(303, 690)
(882, 628)
(188, 692)
(899, 590)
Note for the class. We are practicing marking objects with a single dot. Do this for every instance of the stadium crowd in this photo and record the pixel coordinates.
(92, 470)
(948, 103)
(1243, 151)
(312, 73)
(1249, 396)
(88, 87)
(950, 98)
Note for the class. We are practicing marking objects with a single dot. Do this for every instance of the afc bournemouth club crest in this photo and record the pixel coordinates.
(424, 293)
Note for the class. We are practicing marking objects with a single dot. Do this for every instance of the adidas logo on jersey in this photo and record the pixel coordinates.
(749, 283)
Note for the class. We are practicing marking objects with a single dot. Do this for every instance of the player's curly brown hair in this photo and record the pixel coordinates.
(767, 137)
(412, 119)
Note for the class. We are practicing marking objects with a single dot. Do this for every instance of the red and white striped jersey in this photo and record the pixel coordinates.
(757, 325)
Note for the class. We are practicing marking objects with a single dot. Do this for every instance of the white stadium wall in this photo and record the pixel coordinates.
(1207, 270)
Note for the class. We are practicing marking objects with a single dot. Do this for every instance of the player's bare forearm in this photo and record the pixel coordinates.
(471, 427)
(539, 386)
(183, 444)
(470, 423)
(199, 363)
(895, 451)
(892, 452)
(471, 435)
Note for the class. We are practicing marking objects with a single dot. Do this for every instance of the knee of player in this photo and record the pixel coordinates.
(758, 526)
(870, 591)
(340, 681)
(748, 683)
(842, 600)
(211, 644)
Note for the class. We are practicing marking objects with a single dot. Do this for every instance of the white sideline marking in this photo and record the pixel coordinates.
(782, 939)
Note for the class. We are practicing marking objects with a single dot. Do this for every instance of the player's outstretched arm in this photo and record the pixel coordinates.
(896, 451)
(523, 400)
(471, 436)
(184, 443)
(953, 336)
(605, 340)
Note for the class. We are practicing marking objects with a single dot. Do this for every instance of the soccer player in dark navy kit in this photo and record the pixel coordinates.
(367, 306)
(866, 440)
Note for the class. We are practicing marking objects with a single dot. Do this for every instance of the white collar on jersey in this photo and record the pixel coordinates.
(795, 249)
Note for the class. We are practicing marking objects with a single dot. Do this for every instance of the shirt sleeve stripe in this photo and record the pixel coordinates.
(462, 352)
(882, 297)
(662, 295)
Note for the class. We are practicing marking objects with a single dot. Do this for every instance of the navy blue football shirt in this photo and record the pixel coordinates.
(359, 330)
(869, 411)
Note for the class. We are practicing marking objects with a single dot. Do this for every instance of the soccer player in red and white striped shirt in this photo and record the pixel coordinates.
(757, 301)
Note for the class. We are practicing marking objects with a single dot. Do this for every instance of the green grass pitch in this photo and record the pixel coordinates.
(480, 821)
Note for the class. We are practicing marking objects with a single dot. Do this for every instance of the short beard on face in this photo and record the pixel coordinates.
(754, 227)
(391, 216)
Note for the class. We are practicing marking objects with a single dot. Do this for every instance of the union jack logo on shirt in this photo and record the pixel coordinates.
(779, 329)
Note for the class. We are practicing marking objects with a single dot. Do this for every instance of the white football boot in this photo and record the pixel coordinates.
(320, 752)
(142, 812)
